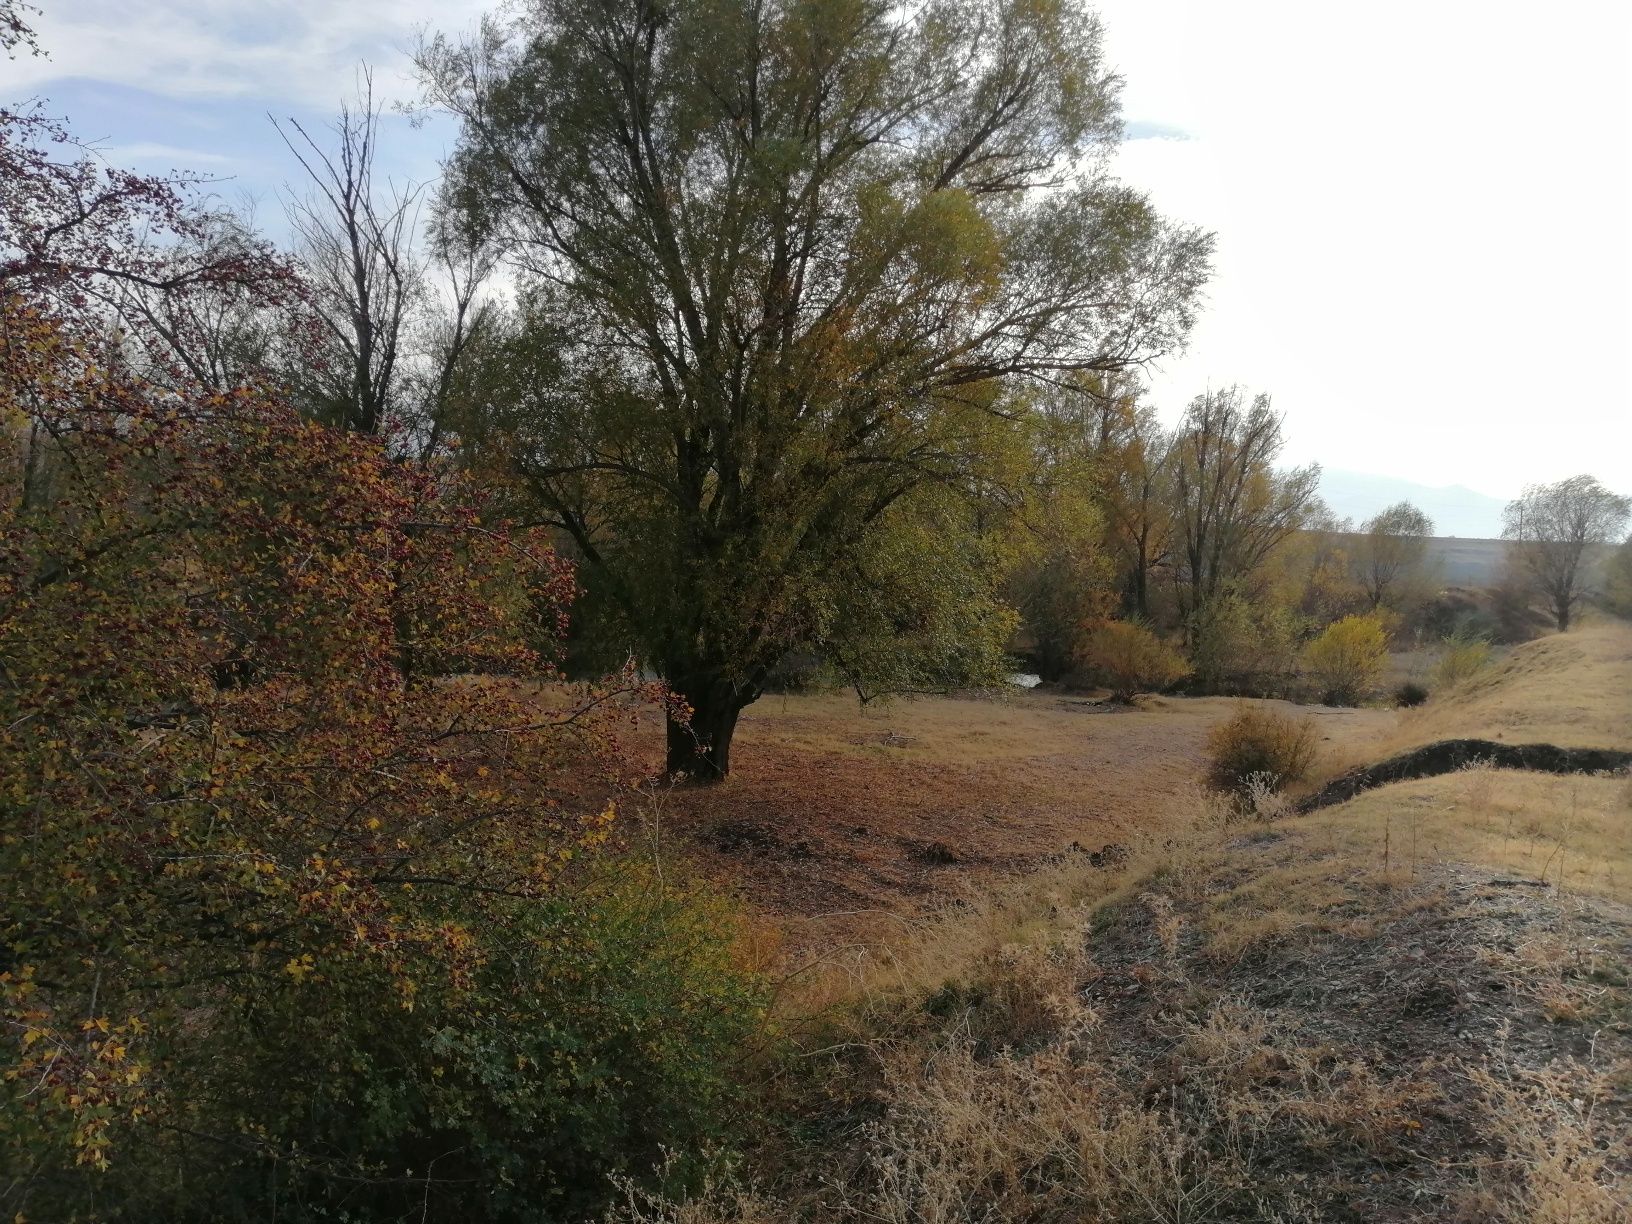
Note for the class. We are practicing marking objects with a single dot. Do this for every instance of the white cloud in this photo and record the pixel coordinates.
(1424, 210)
(1424, 216)
(173, 157)
(299, 52)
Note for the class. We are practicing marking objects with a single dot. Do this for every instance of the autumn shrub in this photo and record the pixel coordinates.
(1461, 655)
(1259, 747)
(298, 922)
(319, 937)
(1130, 659)
(1346, 659)
(595, 1030)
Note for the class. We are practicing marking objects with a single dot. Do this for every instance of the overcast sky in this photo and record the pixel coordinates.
(1423, 208)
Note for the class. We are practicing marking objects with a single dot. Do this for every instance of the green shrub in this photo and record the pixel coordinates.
(1617, 595)
(1410, 694)
(601, 1028)
(1347, 658)
(1259, 746)
(1461, 656)
(1130, 659)
(1243, 648)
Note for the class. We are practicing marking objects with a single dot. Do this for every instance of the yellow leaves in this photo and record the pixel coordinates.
(301, 967)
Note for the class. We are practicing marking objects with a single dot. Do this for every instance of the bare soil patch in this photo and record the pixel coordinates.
(834, 813)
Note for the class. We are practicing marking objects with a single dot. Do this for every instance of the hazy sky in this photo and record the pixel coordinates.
(1423, 207)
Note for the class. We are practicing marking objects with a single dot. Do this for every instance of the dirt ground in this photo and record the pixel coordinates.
(834, 813)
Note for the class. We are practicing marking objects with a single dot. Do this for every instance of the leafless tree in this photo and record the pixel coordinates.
(1550, 528)
(1230, 506)
(1391, 546)
(355, 244)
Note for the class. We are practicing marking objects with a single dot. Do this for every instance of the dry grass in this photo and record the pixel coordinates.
(839, 820)
(1413, 1006)
(1573, 690)
(1574, 833)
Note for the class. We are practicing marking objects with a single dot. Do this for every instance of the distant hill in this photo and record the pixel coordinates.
(1455, 509)
(1464, 562)
(1460, 561)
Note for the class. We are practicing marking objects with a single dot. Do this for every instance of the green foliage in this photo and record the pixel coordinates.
(1131, 659)
(1243, 647)
(1409, 694)
(794, 264)
(917, 608)
(1347, 658)
(1462, 655)
(586, 1034)
(1259, 746)
(1059, 571)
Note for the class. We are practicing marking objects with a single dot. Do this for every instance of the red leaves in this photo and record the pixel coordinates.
(67, 224)
(267, 697)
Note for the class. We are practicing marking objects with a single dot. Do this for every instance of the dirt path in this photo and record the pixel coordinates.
(834, 813)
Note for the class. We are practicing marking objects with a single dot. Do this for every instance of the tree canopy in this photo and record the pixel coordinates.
(1232, 507)
(785, 264)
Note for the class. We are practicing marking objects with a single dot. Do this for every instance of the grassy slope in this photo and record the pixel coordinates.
(1573, 690)
(1572, 832)
(1387, 1011)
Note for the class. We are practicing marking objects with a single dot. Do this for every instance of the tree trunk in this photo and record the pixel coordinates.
(701, 748)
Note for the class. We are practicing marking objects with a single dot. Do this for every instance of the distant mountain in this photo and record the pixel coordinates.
(1455, 509)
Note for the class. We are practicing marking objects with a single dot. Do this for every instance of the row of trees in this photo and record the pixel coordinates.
(1196, 531)
(1200, 533)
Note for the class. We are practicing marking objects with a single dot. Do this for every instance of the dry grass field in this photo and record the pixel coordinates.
(834, 813)
(1413, 1006)
(1573, 690)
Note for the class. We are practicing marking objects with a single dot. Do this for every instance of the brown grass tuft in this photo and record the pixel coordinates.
(1260, 746)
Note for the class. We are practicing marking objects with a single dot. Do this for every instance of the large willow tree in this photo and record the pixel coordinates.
(785, 261)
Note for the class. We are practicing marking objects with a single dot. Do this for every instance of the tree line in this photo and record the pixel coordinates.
(329, 576)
